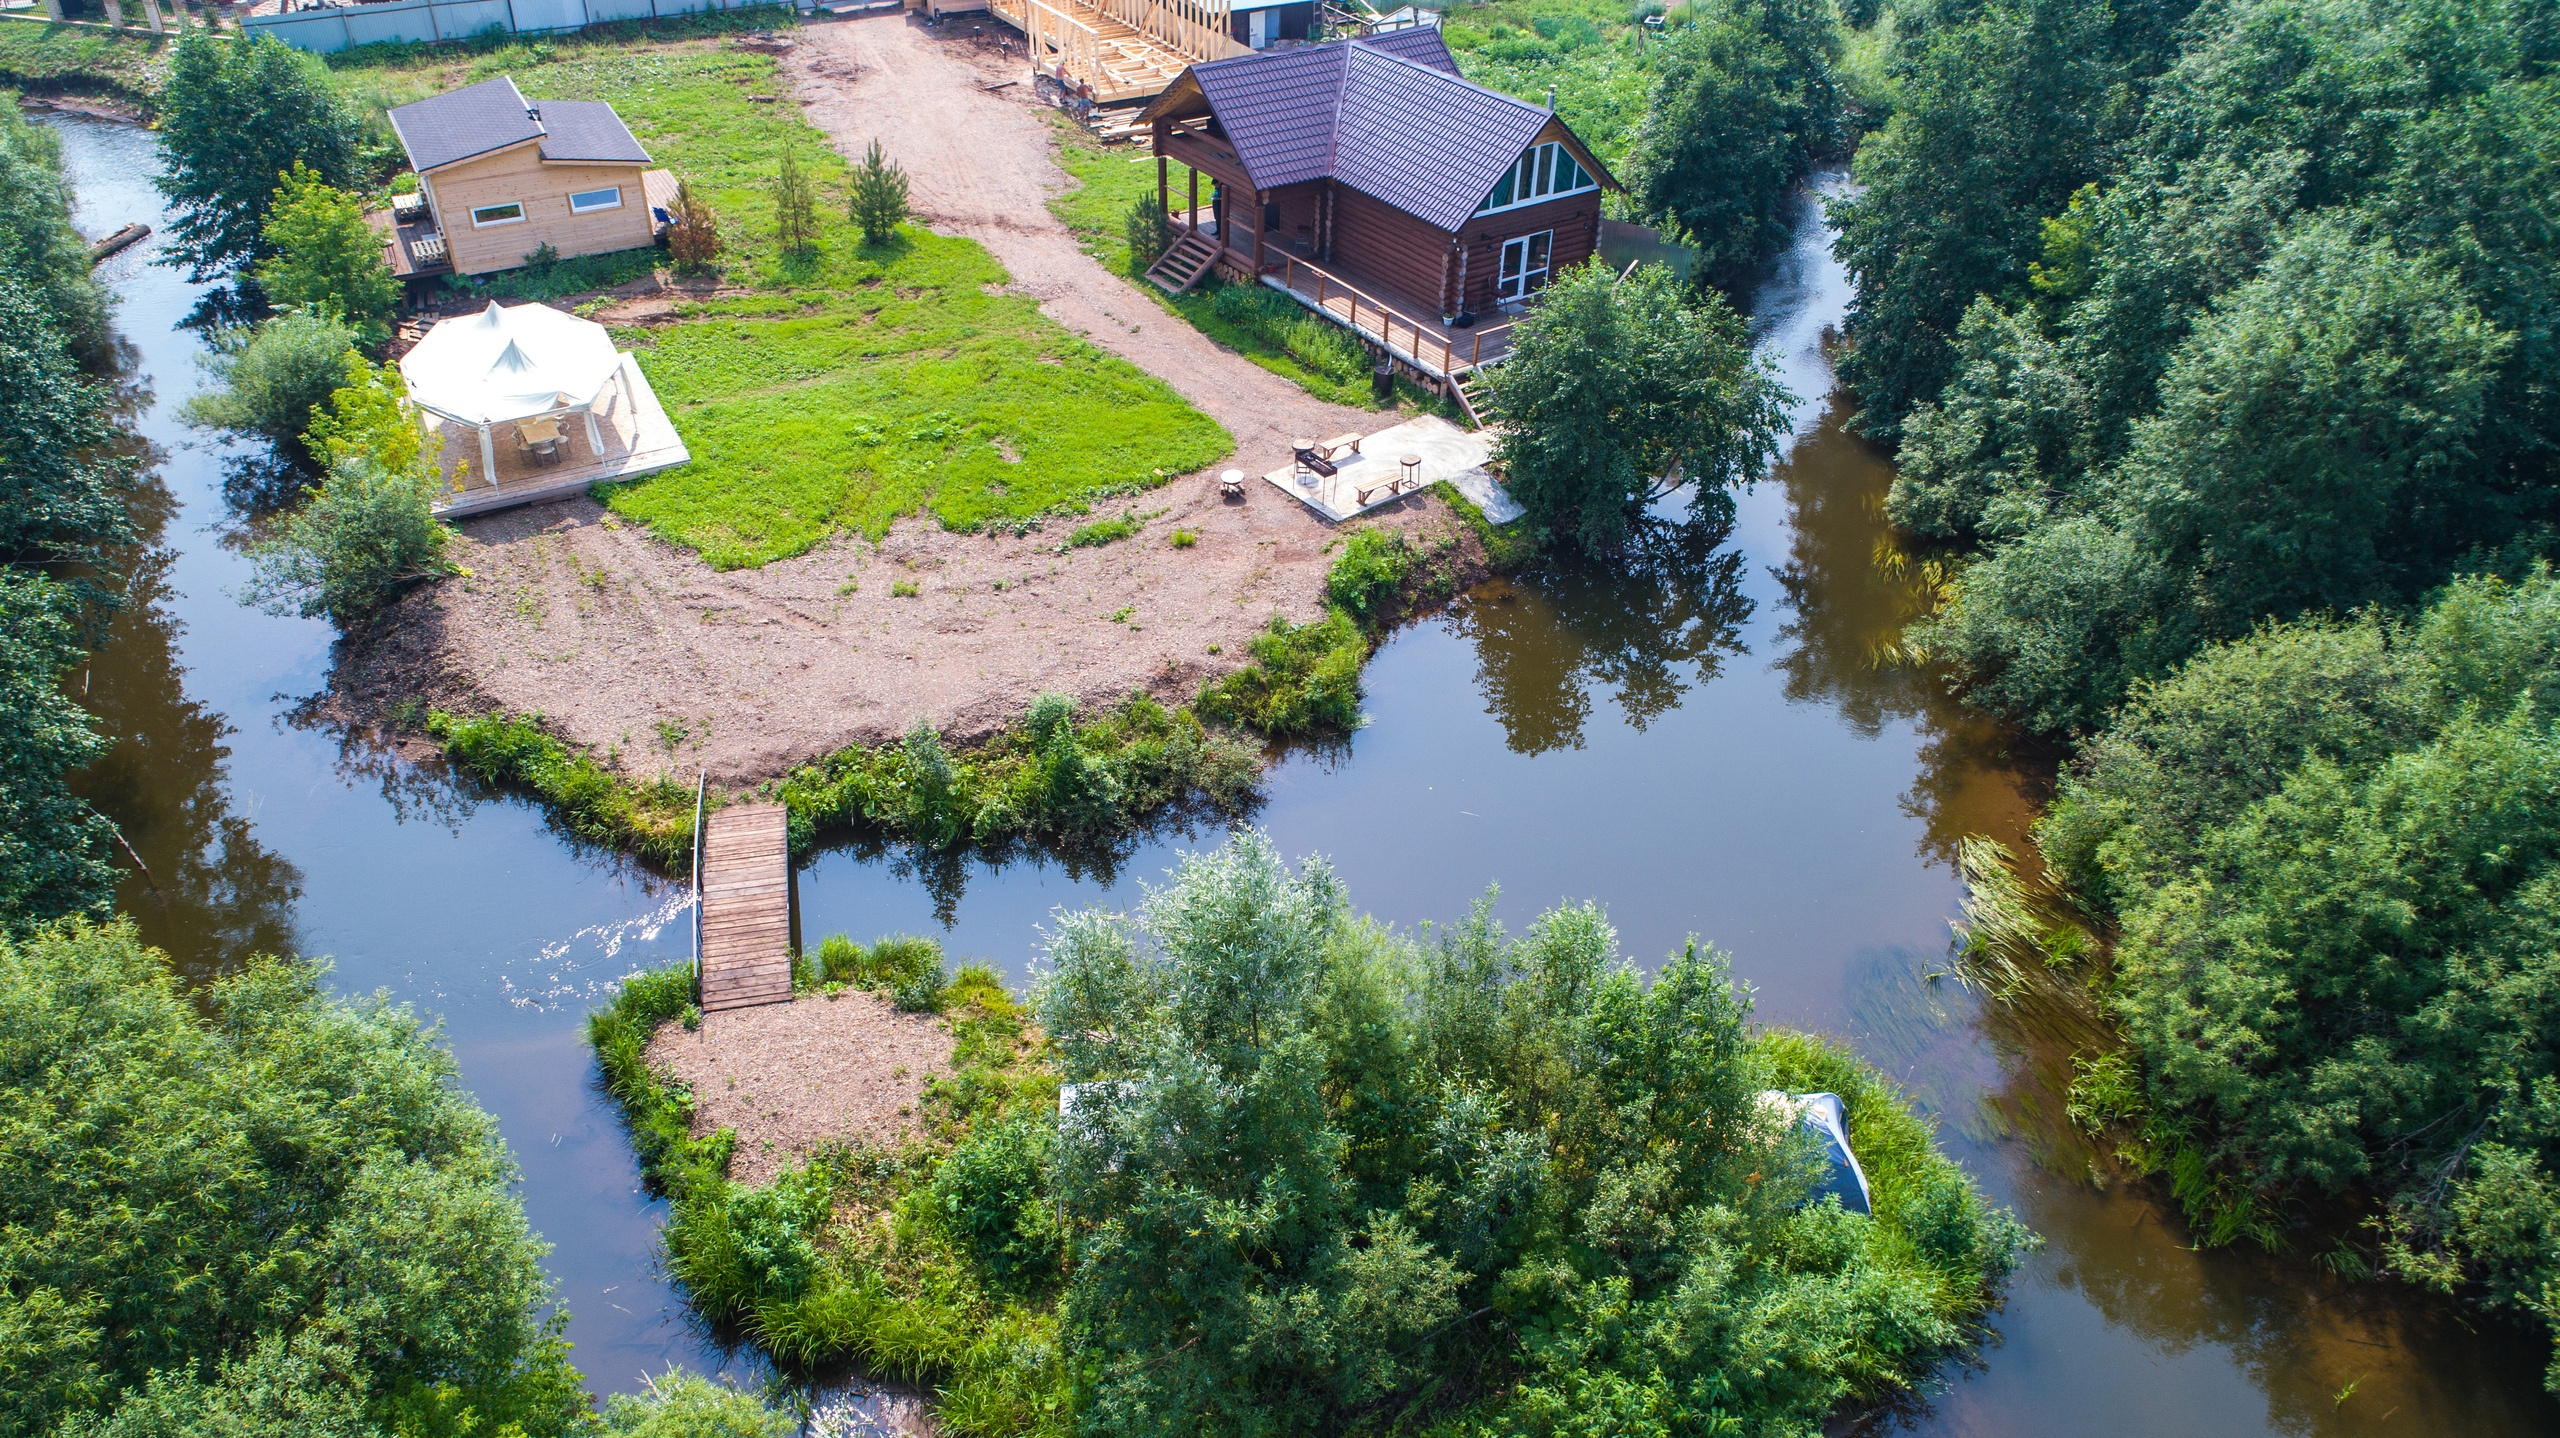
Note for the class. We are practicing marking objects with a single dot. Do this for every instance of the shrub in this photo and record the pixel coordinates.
(1103, 531)
(993, 1192)
(1305, 679)
(369, 418)
(323, 259)
(688, 1405)
(1148, 232)
(365, 535)
(1368, 578)
(879, 199)
(274, 378)
(795, 204)
(693, 239)
(53, 846)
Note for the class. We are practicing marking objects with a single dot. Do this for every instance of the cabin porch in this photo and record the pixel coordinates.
(1407, 328)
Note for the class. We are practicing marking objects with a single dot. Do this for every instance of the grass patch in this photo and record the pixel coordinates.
(1601, 64)
(45, 59)
(1108, 531)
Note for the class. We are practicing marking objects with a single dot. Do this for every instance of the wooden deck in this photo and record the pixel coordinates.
(1123, 49)
(638, 439)
(746, 908)
(1407, 328)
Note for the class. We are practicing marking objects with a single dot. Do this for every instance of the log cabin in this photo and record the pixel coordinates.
(499, 177)
(1373, 183)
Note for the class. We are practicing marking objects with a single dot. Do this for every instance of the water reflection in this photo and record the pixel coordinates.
(1645, 625)
(208, 891)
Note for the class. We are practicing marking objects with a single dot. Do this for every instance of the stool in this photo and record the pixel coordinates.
(1231, 484)
(1411, 464)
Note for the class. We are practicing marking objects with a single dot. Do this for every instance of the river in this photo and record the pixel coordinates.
(1711, 741)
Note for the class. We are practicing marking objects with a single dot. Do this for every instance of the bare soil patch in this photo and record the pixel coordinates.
(640, 651)
(791, 1079)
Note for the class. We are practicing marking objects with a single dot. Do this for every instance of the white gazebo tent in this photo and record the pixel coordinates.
(505, 364)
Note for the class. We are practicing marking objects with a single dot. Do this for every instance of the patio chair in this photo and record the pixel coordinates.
(541, 439)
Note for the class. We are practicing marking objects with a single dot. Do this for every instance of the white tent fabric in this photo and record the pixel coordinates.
(504, 364)
(512, 364)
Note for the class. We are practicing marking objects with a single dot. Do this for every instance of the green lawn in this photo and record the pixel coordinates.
(74, 59)
(913, 392)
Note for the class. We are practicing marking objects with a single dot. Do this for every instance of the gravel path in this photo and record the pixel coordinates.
(788, 1078)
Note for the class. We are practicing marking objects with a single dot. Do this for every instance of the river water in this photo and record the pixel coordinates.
(1711, 740)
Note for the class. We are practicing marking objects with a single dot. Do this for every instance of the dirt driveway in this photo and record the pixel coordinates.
(638, 650)
(978, 163)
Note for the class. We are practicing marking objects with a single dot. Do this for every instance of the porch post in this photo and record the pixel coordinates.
(1164, 173)
(1261, 214)
(1193, 214)
(595, 441)
(488, 457)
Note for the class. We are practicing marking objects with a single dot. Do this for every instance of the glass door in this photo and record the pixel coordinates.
(1524, 267)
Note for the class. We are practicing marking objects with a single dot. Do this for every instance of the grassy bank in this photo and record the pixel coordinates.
(42, 59)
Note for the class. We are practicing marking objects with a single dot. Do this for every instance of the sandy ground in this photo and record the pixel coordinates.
(638, 649)
(790, 1078)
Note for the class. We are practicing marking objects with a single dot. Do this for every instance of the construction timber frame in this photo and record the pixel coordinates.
(1119, 49)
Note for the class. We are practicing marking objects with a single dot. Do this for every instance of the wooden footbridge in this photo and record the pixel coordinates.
(742, 906)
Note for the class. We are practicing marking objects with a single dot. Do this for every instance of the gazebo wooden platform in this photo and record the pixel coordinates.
(636, 439)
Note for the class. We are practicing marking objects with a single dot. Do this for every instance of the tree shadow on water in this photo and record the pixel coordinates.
(1645, 624)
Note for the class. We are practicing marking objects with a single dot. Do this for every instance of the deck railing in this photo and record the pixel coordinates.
(1425, 344)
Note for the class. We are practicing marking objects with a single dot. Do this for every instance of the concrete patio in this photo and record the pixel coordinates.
(1446, 451)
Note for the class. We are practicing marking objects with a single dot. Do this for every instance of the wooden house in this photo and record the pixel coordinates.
(1370, 181)
(500, 177)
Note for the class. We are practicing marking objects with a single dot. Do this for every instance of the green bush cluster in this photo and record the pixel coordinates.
(1305, 679)
(2332, 855)
(1054, 779)
(905, 969)
(860, 1257)
(1317, 1175)
(248, 1207)
(653, 817)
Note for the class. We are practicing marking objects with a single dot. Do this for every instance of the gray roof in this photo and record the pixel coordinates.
(1386, 114)
(493, 114)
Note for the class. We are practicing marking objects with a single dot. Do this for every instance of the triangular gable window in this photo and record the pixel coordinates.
(1543, 173)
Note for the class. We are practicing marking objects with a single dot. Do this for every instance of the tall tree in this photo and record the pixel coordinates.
(1613, 388)
(62, 484)
(235, 117)
(324, 258)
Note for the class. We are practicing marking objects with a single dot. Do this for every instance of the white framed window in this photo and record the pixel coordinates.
(510, 213)
(586, 201)
(1543, 172)
(1524, 266)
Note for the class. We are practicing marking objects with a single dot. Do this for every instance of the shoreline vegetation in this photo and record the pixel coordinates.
(1416, 1140)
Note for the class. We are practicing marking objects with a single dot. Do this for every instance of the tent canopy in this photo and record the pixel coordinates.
(504, 364)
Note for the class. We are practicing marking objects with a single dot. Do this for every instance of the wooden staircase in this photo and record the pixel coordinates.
(1475, 397)
(1184, 264)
